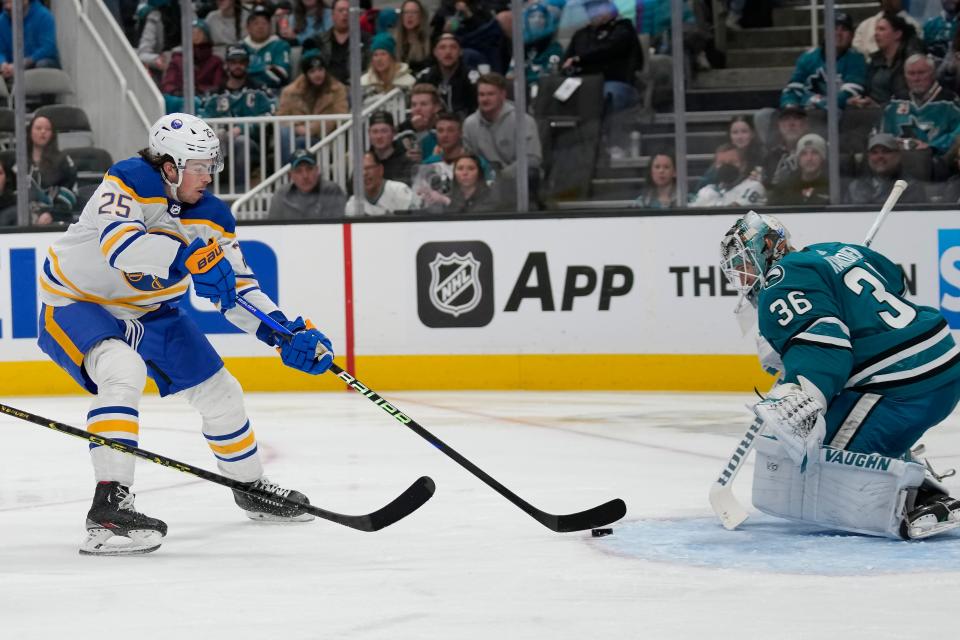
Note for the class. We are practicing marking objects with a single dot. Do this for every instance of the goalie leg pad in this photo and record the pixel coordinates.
(219, 400)
(857, 492)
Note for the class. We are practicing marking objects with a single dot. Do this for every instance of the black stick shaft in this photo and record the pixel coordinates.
(409, 501)
(598, 516)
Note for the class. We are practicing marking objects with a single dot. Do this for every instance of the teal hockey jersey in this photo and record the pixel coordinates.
(837, 316)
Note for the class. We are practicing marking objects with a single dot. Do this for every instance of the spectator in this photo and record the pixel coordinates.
(8, 199)
(928, 116)
(608, 46)
(436, 171)
(390, 152)
(335, 43)
(808, 183)
(864, 40)
(39, 38)
(541, 19)
(742, 134)
(453, 79)
(412, 36)
(475, 28)
(939, 31)
(660, 185)
(381, 197)
(384, 73)
(310, 19)
(948, 74)
(469, 192)
(417, 132)
(883, 163)
(307, 197)
(158, 31)
(314, 92)
(808, 87)
(242, 96)
(780, 160)
(207, 67)
(269, 54)
(227, 22)
(896, 42)
(53, 176)
(491, 131)
(733, 187)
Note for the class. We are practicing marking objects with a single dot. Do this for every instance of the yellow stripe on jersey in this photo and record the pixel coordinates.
(89, 297)
(105, 426)
(105, 247)
(61, 337)
(236, 446)
(133, 194)
(168, 232)
(107, 303)
(213, 225)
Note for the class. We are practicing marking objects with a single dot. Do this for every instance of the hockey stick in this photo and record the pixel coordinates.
(402, 506)
(724, 503)
(596, 517)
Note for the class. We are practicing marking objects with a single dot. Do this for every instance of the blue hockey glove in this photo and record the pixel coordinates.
(213, 277)
(300, 351)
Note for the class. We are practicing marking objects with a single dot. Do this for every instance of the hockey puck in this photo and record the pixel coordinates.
(599, 533)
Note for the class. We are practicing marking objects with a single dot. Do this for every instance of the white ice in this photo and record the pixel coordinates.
(467, 565)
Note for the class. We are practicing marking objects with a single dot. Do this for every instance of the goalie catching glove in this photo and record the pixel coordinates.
(795, 417)
(307, 350)
(213, 277)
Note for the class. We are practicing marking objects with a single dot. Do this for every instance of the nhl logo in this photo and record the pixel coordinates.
(455, 284)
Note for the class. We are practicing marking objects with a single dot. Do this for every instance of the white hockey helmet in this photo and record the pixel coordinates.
(185, 137)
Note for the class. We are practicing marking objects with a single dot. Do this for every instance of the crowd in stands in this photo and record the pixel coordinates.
(897, 81)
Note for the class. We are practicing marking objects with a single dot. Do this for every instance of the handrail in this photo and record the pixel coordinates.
(335, 167)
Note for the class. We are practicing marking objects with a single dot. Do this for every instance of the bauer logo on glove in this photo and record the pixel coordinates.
(203, 260)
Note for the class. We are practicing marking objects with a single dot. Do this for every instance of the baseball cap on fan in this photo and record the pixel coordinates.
(301, 156)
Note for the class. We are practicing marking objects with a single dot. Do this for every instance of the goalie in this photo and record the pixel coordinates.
(865, 374)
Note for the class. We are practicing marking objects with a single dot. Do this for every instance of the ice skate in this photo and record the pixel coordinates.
(265, 509)
(933, 512)
(112, 517)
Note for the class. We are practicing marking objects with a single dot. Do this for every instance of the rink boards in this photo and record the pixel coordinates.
(631, 302)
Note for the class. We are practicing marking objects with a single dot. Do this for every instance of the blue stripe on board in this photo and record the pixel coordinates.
(23, 270)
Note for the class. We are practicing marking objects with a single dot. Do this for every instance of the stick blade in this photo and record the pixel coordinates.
(403, 505)
(598, 516)
(725, 505)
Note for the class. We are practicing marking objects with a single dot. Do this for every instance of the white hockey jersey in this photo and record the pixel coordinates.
(120, 253)
(394, 196)
(747, 193)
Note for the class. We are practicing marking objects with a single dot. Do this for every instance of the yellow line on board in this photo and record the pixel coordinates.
(599, 372)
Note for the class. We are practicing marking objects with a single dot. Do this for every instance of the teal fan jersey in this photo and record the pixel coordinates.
(837, 316)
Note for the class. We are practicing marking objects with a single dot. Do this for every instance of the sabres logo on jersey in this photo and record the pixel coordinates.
(150, 283)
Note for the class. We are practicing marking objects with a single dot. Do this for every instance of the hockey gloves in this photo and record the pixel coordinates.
(795, 418)
(302, 352)
(213, 277)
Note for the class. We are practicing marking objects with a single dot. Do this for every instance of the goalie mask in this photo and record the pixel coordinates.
(749, 249)
(185, 137)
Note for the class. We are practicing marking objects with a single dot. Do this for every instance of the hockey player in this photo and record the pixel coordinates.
(111, 286)
(865, 374)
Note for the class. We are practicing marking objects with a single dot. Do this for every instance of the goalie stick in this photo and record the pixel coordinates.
(722, 501)
(402, 506)
(596, 517)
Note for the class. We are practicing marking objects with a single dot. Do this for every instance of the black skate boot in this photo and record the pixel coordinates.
(112, 514)
(263, 508)
(931, 511)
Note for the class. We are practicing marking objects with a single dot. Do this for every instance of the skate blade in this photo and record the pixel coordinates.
(925, 531)
(103, 542)
(270, 517)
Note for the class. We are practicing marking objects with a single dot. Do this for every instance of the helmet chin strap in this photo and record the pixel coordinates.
(173, 186)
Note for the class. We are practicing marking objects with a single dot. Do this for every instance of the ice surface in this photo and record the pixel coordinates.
(468, 564)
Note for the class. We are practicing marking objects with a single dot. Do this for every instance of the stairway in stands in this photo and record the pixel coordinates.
(759, 64)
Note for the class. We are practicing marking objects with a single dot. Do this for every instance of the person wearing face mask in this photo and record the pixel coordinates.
(732, 188)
